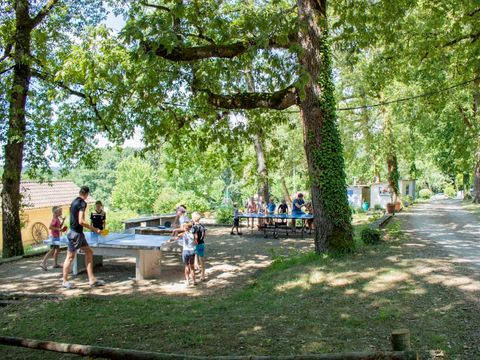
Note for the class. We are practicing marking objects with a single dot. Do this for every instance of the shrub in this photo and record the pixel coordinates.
(425, 193)
(115, 218)
(168, 200)
(223, 214)
(370, 236)
(377, 207)
(449, 191)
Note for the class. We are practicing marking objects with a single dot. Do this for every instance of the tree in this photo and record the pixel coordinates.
(136, 186)
(35, 38)
(204, 34)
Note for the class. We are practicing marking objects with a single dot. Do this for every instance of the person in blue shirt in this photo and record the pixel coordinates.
(298, 202)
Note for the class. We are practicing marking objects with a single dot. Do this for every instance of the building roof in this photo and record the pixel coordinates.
(49, 194)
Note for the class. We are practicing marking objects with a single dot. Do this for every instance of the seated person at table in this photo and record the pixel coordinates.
(283, 209)
(309, 222)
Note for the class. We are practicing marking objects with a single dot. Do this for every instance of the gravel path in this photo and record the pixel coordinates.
(452, 229)
(231, 260)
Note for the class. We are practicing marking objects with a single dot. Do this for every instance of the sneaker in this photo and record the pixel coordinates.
(44, 267)
(232, 233)
(97, 283)
(239, 233)
(187, 283)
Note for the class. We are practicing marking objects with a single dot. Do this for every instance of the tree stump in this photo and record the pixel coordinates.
(400, 340)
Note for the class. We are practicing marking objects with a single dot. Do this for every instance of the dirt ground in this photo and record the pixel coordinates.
(230, 260)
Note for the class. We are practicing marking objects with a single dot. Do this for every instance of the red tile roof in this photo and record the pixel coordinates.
(49, 194)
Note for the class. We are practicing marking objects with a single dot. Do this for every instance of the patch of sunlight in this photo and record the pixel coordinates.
(350, 292)
(255, 329)
(314, 347)
(317, 277)
(302, 283)
(344, 316)
(386, 281)
(462, 282)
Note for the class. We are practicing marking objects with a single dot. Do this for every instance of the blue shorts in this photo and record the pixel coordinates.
(76, 241)
(200, 250)
(188, 257)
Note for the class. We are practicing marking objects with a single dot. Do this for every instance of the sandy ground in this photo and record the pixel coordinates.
(230, 260)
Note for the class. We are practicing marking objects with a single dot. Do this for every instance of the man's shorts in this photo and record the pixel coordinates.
(76, 241)
(200, 250)
(236, 222)
(188, 257)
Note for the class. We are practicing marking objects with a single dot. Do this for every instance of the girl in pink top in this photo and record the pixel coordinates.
(56, 228)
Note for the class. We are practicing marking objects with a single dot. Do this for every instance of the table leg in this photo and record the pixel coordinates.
(148, 264)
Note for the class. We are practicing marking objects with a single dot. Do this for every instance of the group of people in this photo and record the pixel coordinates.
(191, 233)
(256, 205)
(75, 236)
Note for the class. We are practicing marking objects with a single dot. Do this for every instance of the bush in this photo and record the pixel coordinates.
(223, 214)
(449, 191)
(168, 200)
(370, 236)
(377, 207)
(115, 218)
(425, 193)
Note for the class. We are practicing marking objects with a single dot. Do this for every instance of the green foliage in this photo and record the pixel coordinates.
(449, 191)
(136, 186)
(425, 193)
(169, 199)
(370, 236)
(224, 214)
(377, 207)
(115, 218)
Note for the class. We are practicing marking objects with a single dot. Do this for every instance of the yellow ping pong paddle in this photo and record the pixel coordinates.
(104, 232)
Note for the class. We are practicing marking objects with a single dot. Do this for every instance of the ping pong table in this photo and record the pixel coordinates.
(146, 249)
(278, 226)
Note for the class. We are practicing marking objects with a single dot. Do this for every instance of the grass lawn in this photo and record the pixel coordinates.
(300, 305)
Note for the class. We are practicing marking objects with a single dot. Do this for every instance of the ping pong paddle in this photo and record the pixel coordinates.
(104, 232)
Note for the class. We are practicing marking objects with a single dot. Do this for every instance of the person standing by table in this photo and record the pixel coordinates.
(283, 209)
(77, 241)
(188, 254)
(271, 206)
(298, 202)
(98, 217)
(251, 209)
(56, 227)
(198, 231)
(236, 219)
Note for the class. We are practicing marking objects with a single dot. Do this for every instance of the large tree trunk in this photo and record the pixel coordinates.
(286, 193)
(262, 172)
(476, 123)
(12, 237)
(323, 148)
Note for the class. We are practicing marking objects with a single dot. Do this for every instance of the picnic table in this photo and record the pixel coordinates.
(154, 220)
(278, 226)
(146, 249)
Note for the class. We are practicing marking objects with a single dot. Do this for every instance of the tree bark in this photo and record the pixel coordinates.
(286, 193)
(322, 143)
(262, 172)
(11, 199)
(476, 121)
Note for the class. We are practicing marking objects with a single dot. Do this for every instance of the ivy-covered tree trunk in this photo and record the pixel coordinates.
(11, 226)
(391, 153)
(323, 148)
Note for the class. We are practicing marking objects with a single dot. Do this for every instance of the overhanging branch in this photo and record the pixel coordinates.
(181, 53)
(43, 13)
(278, 100)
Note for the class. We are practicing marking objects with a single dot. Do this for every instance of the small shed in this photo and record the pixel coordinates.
(38, 200)
(380, 195)
(358, 194)
(407, 187)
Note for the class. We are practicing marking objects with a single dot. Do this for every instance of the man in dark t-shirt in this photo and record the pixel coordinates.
(77, 241)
